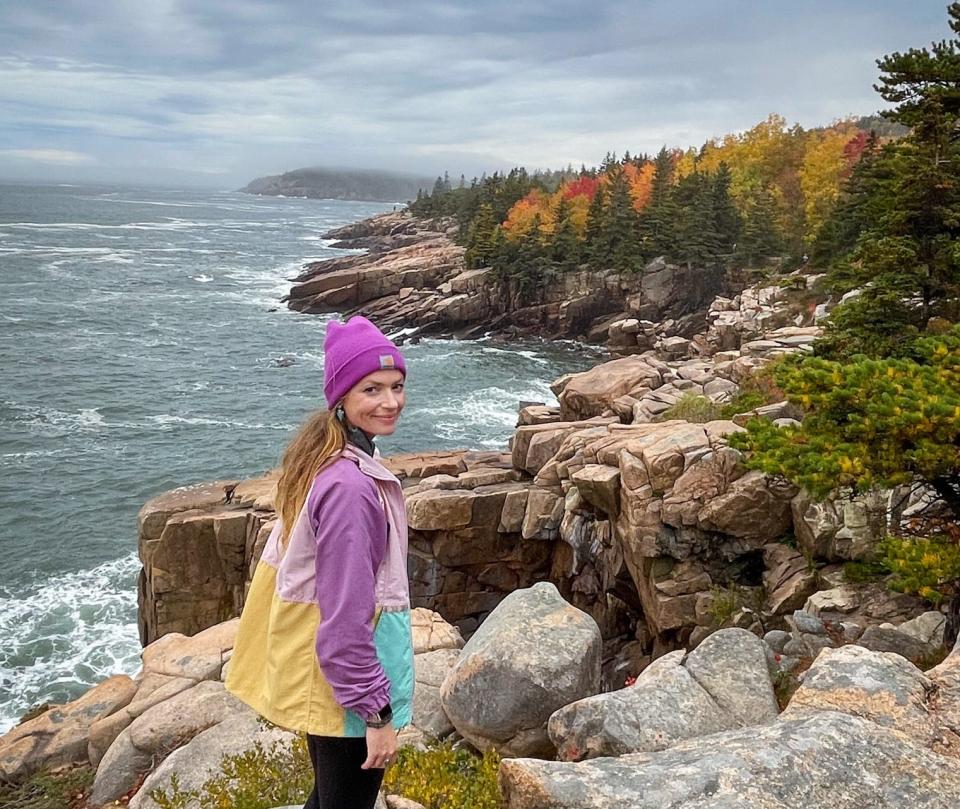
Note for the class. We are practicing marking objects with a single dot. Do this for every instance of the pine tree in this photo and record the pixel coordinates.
(869, 422)
(659, 220)
(596, 247)
(480, 245)
(864, 200)
(760, 238)
(565, 247)
(911, 253)
(726, 217)
(621, 235)
(697, 240)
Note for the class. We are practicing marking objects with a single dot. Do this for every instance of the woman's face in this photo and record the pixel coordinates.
(374, 403)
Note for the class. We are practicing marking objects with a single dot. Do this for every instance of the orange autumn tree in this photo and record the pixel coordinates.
(640, 179)
(534, 207)
(578, 194)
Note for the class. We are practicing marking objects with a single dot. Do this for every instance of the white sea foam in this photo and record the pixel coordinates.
(202, 278)
(168, 421)
(489, 414)
(87, 418)
(16, 457)
(65, 634)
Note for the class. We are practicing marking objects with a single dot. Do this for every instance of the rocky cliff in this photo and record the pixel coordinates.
(413, 279)
(652, 526)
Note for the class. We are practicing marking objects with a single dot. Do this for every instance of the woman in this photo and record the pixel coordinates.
(324, 643)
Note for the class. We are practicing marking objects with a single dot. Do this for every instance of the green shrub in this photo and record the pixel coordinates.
(923, 566)
(440, 778)
(723, 604)
(756, 390)
(64, 789)
(257, 779)
(693, 408)
(444, 777)
(864, 572)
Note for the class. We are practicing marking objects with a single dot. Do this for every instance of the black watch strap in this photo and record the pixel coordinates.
(381, 718)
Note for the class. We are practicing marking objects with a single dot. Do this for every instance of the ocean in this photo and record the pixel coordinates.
(144, 346)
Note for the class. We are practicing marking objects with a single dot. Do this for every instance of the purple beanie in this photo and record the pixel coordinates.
(351, 351)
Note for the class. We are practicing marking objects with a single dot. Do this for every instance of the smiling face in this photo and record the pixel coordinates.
(374, 403)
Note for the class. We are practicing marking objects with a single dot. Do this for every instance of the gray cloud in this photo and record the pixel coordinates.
(234, 88)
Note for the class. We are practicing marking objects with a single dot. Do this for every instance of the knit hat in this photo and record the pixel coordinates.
(351, 351)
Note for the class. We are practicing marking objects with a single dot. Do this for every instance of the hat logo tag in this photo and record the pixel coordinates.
(387, 361)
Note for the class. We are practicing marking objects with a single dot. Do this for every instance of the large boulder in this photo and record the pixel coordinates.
(825, 761)
(58, 736)
(172, 664)
(723, 684)
(731, 666)
(593, 392)
(880, 686)
(164, 727)
(431, 669)
(664, 706)
(534, 654)
(884, 639)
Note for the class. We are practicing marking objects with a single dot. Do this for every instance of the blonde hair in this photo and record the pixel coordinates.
(318, 443)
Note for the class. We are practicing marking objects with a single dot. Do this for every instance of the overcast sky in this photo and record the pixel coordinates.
(220, 91)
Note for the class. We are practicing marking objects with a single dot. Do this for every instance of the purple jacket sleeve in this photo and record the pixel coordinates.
(351, 532)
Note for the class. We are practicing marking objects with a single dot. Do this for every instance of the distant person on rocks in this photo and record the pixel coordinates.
(324, 644)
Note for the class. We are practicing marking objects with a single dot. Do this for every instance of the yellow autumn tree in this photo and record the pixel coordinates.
(825, 165)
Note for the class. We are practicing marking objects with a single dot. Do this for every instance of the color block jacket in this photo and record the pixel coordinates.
(324, 639)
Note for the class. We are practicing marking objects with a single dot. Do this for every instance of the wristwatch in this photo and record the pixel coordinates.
(381, 718)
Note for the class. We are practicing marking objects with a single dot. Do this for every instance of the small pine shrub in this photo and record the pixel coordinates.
(444, 777)
(693, 408)
(865, 572)
(64, 789)
(923, 566)
(756, 390)
(257, 779)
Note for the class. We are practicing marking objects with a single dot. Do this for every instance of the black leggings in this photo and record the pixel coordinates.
(340, 783)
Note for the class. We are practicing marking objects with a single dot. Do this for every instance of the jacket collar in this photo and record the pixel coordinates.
(369, 466)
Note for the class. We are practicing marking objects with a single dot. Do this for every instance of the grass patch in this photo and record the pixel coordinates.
(64, 789)
(694, 408)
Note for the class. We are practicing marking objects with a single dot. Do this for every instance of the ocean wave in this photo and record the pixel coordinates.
(84, 419)
(34, 453)
(169, 420)
(65, 634)
(486, 416)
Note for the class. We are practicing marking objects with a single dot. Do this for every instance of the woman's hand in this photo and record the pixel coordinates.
(381, 747)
